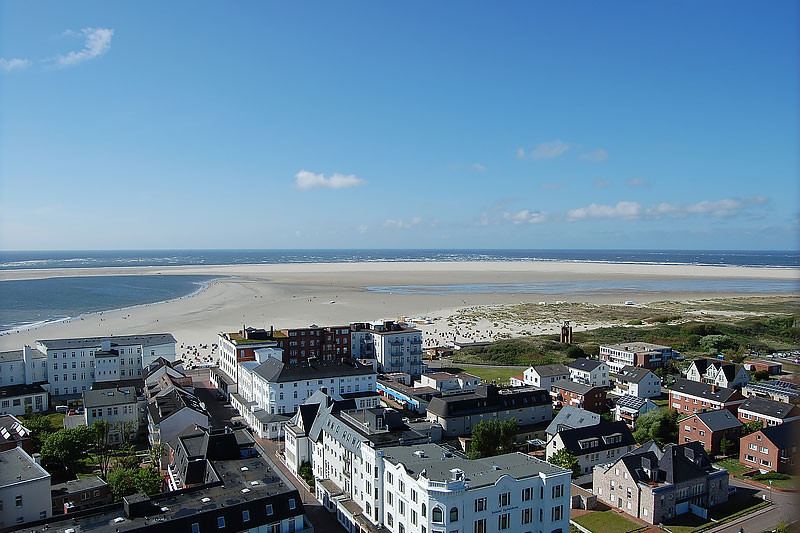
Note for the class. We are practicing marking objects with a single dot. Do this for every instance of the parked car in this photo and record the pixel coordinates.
(71, 412)
(61, 408)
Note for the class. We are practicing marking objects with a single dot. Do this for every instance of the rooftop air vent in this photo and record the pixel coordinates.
(205, 500)
(419, 453)
(245, 491)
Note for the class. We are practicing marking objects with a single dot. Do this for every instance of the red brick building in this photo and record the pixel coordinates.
(567, 392)
(13, 434)
(771, 449)
(710, 428)
(691, 397)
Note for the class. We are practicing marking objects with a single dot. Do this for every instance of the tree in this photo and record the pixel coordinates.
(493, 438)
(575, 352)
(727, 446)
(156, 452)
(566, 459)
(660, 426)
(717, 343)
(40, 428)
(126, 456)
(102, 446)
(68, 446)
(126, 481)
(752, 427)
(761, 375)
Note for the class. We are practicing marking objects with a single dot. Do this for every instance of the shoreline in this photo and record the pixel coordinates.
(297, 295)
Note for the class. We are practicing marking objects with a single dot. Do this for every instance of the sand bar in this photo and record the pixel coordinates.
(296, 295)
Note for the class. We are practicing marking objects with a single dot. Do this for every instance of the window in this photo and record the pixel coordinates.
(269, 509)
(18, 501)
(527, 494)
(504, 521)
(558, 491)
(527, 515)
(504, 499)
(389, 519)
(42, 514)
(424, 510)
(557, 513)
(245, 516)
(413, 516)
(292, 505)
(437, 515)
(480, 526)
(220, 522)
(413, 496)
(480, 505)
(195, 528)
(454, 514)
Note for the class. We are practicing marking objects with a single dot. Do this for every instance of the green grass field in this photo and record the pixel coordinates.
(487, 373)
(606, 522)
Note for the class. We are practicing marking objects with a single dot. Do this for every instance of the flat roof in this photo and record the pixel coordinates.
(16, 466)
(116, 340)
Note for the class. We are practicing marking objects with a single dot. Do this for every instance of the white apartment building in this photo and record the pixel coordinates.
(17, 400)
(448, 383)
(425, 488)
(22, 367)
(125, 413)
(395, 347)
(24, 489)
(545, 376)
(170, 414)
(267, 386)
(717, 372)
(589, 372)
(643, 354)
(73, 365)
(638, 382)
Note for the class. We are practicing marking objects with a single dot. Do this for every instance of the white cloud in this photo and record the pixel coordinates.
(602, 183)
(637, 182)
(308, 180)
(14, 63)
(526, 217)
(624, 210)
(402, 224)
(478, 167)
(97, 42)
(552, 186)
(595, 155)
(546, 150)
(362, 228)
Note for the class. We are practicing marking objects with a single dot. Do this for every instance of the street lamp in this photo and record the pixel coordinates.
(770, 490)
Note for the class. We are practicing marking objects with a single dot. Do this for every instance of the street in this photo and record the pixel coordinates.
(320, 518)
(784, 509)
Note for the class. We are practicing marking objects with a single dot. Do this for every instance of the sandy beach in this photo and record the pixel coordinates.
(297, 295)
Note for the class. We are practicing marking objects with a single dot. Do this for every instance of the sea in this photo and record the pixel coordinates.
(27, 303)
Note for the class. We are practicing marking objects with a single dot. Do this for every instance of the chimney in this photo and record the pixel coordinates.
(713, 388)
(271, 331)
(244, 331)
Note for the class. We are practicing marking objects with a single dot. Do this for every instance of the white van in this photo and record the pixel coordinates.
(61, 409)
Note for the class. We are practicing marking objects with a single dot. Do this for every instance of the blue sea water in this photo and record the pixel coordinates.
(29, 302)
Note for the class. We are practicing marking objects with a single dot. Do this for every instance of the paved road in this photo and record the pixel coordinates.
(784, 509)
(320, 518)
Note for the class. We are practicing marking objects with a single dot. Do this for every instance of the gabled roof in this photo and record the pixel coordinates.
(546, 371)
(784, 436)
(719, 420)
(630, 401)
(771, 408)
(677, 463)
(729, 369)
(584, 364)
(162, 407)
(572, 437)
(704, 391)
(571, 417)
(633, 374)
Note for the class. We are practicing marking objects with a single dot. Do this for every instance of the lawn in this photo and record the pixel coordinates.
(486, 373)
(737, 507)
(56, 420)
(733, 466)
(606, 522)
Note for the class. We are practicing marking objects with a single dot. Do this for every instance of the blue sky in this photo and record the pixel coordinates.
(406, 125)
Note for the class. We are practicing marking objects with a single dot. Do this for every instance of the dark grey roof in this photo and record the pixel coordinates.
(634, 374)
(437, 463)
(12, 429)
(76, 485)
(703, 390)
(572, 386)
(784, 388)
(13, 355)
(117, 340)
(729, 369)
(265, 417)
(488, 398)
(103, 398)
(551, 370)
(571, 437)
(274, 371)
(677, 463)
(21, 389)
(571, 417)
(719, 420)
(771, 408)
(16, 466)
(162, 407)
(784, 436)
(585, 364)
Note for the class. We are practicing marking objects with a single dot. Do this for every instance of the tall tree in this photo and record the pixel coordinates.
(566, 459)
(102, 446)
(40, 428)
(493, 438)
(156, 452)
(660, 426)
(68, 446)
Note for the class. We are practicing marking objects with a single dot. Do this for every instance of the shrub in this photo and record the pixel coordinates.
(635, 323)
(771, 476)
(575, 352)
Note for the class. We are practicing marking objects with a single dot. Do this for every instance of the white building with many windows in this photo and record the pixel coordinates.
(125, 412)
(395, 347)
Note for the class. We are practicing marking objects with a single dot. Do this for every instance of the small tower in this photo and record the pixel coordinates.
(566, 333)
